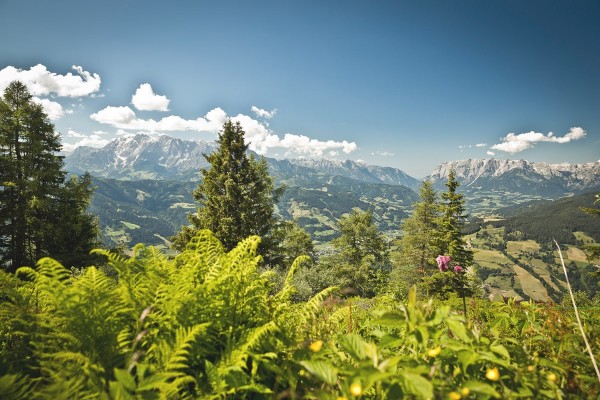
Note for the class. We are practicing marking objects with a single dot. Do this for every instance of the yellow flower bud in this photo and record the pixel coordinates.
(492, 374)
(316, 345)
(434, 352)
(530, 368)
(454, 396)
(552, 377)
(356, 389)
(465, 391)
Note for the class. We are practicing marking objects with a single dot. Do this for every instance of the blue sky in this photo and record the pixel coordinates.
(399, 83)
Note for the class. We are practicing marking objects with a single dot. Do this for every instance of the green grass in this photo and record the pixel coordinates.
(530, 285)
(584, 238)
(515, 247)
(129, 225)
(575, 254)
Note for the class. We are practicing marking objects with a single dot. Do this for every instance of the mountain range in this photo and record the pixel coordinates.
(149, 179)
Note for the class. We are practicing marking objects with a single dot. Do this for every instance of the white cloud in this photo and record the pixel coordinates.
(115, 116)
(258, 135)
(42, 82)
(125, 118)
(491, 153)
(512, 143)
(263, 113)
(93, 140)
(146, 100)
(53, 109)
(480, 145)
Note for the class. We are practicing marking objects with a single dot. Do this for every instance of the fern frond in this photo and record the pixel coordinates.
(288, 286)
(15, 387)
(312, 306)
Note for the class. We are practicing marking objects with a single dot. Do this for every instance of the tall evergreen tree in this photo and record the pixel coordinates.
(362, 258)
(452, 223)
(33, 191)
(420, 243)
(236, 195)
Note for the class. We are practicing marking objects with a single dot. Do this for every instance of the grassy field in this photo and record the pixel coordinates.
(129, 225)
(575, 254)
(516, 247)
(530, 285)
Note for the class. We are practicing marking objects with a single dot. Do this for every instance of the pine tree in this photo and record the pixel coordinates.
(362, 259)
(236, 195)
(452, 223)
(33, 189)
(420, 232)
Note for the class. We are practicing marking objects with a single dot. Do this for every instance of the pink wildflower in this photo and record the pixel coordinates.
(443, 263)
(458, 268)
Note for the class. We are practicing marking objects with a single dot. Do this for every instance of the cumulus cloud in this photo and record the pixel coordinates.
(52, 108)
(263, 113)
(491, 153)
(93, 140)
(123, 117)
(42, 82)
(145, 99)
(512, 143)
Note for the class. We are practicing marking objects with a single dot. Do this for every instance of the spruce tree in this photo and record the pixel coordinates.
(420, 243)
(236, 195)
(362, 259)
(33, 191)
(452, 223)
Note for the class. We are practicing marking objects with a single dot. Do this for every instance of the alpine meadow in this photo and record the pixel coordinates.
(333, 200)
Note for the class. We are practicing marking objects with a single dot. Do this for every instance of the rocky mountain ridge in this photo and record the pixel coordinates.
(163, 157)
(485, 173)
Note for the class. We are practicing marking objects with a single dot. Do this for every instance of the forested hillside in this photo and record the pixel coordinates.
(552, 220)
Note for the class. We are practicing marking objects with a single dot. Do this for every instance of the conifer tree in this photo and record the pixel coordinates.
(236, 195)
(33, 192)
(362, 259)
(452, 222)
(420, 243)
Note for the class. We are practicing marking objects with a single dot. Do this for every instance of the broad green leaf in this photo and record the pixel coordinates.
(417, 385)
(322, 370)
(482, 388)
(500, 350)
(390, 319)
(458, 330)
(354, 345)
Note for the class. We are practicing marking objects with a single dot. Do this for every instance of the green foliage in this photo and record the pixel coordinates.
(204, 324)
(208, 324)
(423, 350)
(452, 223)
(361, 263)
(41, 214)
(420, 244)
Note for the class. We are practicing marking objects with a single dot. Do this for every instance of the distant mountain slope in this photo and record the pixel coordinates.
(359, 171)
(163, 157)
(142, 157)
(542, 178)
(145, 210)
(558, 219)
(491, 184)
